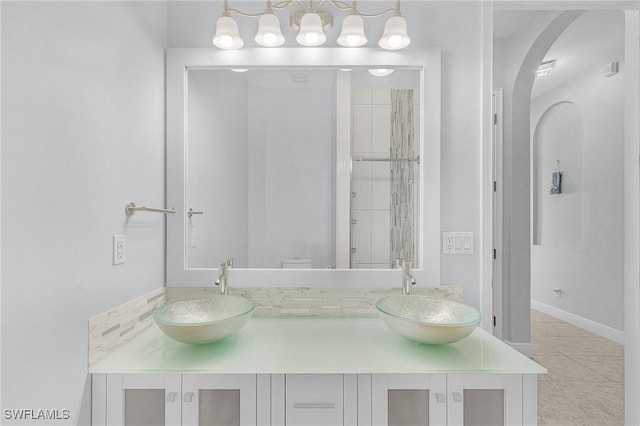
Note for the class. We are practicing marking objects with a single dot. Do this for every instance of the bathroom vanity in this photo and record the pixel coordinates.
(324, 371)
(314, 371)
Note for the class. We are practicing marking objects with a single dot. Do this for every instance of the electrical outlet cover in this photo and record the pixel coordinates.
(119, 249)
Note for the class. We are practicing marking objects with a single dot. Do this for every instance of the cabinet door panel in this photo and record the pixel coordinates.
(488, 399)
(483, 407)
(144, 407)
(219, 399)
(143, 399)
(414, 399)
(219, 407)
(408, 407)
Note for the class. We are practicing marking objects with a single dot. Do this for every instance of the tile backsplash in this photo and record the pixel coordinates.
(116, 327)
(112, 329)
(314, 302)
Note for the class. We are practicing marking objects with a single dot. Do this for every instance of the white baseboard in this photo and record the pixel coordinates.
(524, 348)
(586, 324)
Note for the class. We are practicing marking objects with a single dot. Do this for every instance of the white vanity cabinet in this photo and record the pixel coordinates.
(384, 399)
(282, 372)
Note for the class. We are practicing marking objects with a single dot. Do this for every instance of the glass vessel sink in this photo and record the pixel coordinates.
(204, 320)
(427, 320)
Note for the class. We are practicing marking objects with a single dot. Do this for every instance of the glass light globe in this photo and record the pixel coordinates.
(269, 33)
(311, 32)
(227, 35)
(395, 34)
(352, 34)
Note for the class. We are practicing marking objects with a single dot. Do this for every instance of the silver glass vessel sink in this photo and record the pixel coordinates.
(428, 320)
(204, 320)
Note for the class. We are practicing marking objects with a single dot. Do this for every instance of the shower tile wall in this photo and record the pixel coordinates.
(370, 202)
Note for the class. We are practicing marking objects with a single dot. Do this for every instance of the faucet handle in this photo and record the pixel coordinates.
(222, 271)
(230, 262)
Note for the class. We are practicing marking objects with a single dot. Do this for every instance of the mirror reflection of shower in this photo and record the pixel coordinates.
(385, 176)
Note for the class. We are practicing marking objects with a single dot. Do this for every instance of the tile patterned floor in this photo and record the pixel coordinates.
(585, 380)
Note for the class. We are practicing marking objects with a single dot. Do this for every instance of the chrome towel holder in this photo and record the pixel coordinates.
(131, 209)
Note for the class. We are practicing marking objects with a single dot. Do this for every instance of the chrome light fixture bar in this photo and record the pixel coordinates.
(311, 20)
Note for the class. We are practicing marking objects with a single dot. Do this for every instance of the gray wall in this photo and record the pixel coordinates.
(82, 135)
(591, 277)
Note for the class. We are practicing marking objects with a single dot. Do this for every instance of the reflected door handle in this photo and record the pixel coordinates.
(171, 396)
(440, 397)
(457, 396)
(191, 212)
(188, 397)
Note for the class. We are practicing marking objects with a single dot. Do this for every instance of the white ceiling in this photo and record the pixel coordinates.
(593, 40)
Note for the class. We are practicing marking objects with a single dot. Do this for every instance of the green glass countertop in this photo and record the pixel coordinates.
(316, 345)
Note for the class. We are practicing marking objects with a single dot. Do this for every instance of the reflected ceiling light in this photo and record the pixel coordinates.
(239, 69)
(380, 72)
(545, 68)
(311, 21)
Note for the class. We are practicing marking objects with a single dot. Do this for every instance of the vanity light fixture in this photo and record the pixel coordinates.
(380, 72)
(545, 68)
(311, 20)
(227, 35)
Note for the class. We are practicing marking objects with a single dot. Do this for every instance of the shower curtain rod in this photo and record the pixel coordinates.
(399, 160)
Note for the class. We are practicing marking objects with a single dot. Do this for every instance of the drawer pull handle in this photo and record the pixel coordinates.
(171, 396)
(440, 397)
(457, 396)
(314, 405)
(188, 397)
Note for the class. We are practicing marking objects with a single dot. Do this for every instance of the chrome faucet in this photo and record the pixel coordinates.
(407, 277)
(223, 268)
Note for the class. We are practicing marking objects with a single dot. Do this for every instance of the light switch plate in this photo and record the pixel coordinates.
(119, 249)
(457, 242)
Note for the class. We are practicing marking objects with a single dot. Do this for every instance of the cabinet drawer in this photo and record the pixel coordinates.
(314, 399)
